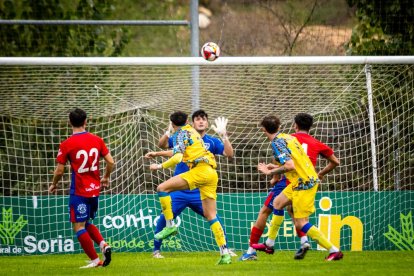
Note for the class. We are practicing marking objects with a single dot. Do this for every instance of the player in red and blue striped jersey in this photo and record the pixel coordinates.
(191, 198)
(83, 150)
(313, 148)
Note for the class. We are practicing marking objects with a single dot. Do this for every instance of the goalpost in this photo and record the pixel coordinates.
(363, 108)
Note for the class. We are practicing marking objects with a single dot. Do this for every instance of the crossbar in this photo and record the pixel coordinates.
(159, 61)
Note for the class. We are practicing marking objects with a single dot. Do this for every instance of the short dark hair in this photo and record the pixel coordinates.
(271, 124)
(179, 118)
(304, 121)
(199, 113)
(77, 117)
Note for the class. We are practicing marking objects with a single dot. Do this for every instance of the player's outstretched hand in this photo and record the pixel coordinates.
(320, 176)
(170, 130)
(154, 167)
(150, 155)
(262, 167)
(52, 189)
(272, 166)
(220, 127)
(105, 182)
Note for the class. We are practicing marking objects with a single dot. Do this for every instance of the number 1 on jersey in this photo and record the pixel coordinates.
(305, 147)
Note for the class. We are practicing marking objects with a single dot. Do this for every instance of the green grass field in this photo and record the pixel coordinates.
(203, 263)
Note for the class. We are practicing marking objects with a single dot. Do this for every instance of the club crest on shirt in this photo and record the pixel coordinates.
(207, 145)
(82, 208)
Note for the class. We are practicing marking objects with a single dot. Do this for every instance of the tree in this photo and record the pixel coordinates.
(59, 40)
(291, 31)
(384, 28)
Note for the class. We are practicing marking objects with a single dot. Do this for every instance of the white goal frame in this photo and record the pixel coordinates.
(339, 91)
(159, 61)
(222, 61)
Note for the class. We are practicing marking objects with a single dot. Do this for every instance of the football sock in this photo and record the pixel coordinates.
(333, 249)
(161, 223)
(166, 206)
(224, 250)
(169, 223)
(277, 219)
(319, 237)
(219, 235)
(87, 244)
(302, 236)
(94, 233)
(102, 244)
(251, 250)
(304, 239)
(255, 235)
(222, 226)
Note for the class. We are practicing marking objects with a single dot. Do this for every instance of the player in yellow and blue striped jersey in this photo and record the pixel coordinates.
(295, 165)
(189, 148)
(191, 198)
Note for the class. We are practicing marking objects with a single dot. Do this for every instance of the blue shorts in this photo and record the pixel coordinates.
(186, 198)
(274, 192)
(82, 208)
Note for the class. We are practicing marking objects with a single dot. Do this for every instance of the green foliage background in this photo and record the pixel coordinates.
(379, 27)
(383, 28)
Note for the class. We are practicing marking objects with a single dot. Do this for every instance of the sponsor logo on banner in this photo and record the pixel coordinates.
(137, 220)
(10, 228)
(331, 225)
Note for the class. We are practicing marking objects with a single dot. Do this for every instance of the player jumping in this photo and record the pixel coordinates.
(191, 198)
(189, 147)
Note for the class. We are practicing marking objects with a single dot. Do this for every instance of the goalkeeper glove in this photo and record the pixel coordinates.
(220, 127)
(170, 130)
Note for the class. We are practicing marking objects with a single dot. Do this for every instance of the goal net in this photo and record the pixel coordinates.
(365, 113)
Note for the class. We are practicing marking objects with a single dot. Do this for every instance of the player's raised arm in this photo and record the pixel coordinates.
(171, 162)
(220, 127)
(163, 141)
(153, 154)
(177, 154)
(271, 169)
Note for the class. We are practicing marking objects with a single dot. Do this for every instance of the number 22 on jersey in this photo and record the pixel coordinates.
(84, 155)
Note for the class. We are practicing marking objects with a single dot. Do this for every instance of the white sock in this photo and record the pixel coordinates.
(251, 250)
(96, 260)
(169, 222)
(224, 250)
(270, 242)
(333, 249)
(101, 244)
(303, 239)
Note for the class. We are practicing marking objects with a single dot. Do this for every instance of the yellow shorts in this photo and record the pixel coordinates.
(204, 177)
(303, 201)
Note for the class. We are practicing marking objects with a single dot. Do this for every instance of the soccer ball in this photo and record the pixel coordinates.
(210, 51)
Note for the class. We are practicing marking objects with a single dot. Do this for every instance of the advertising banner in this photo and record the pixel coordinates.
(351, 220)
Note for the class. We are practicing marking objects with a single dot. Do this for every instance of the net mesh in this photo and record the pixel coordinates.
(129, 106)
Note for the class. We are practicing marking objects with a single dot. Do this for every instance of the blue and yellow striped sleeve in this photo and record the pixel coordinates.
(180, 141)
(281, 152)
